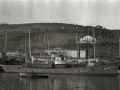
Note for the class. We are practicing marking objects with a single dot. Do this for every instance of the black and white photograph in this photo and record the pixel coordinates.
(59, 44)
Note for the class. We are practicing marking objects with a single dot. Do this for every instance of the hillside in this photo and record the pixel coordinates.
(59, 35)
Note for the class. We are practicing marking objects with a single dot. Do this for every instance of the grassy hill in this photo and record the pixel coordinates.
(59, 35)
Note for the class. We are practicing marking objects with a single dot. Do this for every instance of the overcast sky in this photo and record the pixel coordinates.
(83, 12)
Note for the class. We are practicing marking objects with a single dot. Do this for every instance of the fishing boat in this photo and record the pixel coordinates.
(105, 69)
(61, 66)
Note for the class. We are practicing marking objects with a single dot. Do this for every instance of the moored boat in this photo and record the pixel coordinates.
(33, 75)
(61, 66)
(110, 68)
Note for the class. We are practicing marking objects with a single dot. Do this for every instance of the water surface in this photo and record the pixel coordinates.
(12, 81)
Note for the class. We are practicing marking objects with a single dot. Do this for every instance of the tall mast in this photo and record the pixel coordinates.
(5, 47)
(48, 45)
(94, 42)
(29, 44)
(40, 45)
(119, 47)
(25, 43)
(44, 44)
(76, 39)
(77, 46)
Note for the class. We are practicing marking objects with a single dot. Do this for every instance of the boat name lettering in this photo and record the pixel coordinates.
(109, 67)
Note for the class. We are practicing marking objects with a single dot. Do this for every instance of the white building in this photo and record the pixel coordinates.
(87, 39)
(68, 53)
(75, 53)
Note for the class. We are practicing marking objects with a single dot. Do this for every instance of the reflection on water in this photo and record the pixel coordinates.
(12, 81)
(85, 83)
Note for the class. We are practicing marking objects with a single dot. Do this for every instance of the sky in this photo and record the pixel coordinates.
(82, 12)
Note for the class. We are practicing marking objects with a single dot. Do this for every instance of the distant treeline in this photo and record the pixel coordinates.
(59, 34)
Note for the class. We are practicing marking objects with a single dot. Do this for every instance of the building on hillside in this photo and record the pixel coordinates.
(87, 39)
(68, 53)
(75, 53)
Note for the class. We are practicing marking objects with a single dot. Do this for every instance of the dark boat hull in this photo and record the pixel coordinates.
(33, 75)
(108, 69)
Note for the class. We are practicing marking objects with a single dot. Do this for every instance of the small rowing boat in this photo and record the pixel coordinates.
(34, 75)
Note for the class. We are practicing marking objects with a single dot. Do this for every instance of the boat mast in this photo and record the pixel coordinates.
(25, 42)
(29, 44)
(77, 46)
(48, 45)
(5, 47)
(76, 39)
(44, 44)
(94, 42)
(40, 45)
(119, 47)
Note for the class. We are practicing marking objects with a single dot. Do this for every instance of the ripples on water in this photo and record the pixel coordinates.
(12, 81)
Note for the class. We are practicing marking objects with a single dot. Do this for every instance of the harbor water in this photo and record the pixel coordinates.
(12, 81)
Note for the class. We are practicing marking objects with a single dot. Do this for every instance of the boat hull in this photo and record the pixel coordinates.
(108, 69)
(33, 75)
